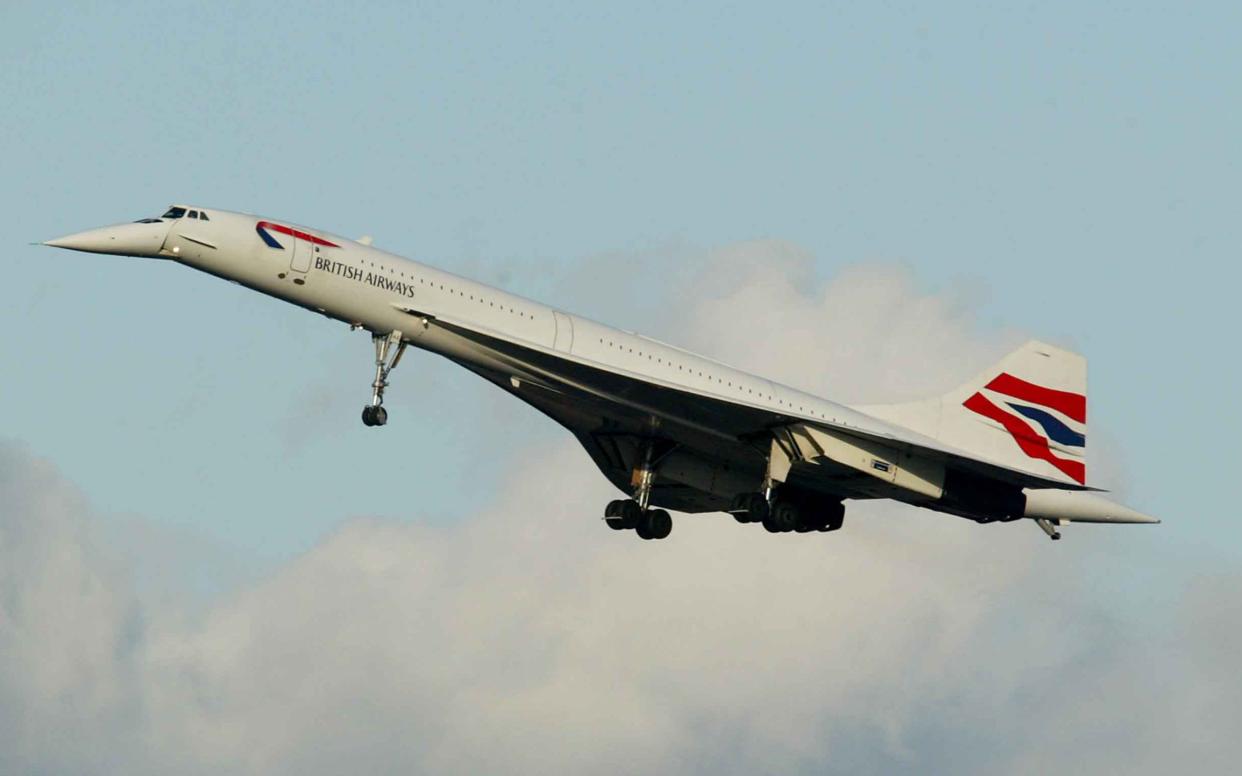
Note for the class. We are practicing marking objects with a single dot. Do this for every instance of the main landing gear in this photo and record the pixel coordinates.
(781, 507)
(388, 351)
(789, 512)
(647, 523)
(635, 514)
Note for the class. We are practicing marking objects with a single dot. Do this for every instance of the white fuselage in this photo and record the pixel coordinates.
(363, 285)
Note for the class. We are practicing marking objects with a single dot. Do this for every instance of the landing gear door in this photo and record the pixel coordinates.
(300, 259)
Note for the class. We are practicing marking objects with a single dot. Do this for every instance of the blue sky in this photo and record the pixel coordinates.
(1067, 171)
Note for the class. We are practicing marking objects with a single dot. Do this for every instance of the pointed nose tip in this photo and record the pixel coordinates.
(73, 242)
(138, 239)
(92, 240)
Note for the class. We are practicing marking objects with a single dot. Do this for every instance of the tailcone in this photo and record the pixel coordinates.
(1080, 507)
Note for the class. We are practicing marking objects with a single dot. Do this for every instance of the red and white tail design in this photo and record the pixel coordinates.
(1027, 412)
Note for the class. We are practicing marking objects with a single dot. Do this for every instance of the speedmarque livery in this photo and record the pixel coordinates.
(665, 426)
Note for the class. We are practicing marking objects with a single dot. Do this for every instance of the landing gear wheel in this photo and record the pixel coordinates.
(622, 515)
(659, 523)
(835, 519)
(783, 518)
(813, 519)
(611, 516)
(374, 416)
(834, 524)
(750, 508)
(614, 516)
(654, 524)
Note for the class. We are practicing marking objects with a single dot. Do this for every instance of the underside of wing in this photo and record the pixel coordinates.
(721, 447)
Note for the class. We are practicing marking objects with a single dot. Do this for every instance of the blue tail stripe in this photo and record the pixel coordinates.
(1053, 427)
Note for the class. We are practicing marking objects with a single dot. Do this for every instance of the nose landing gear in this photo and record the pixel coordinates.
(388, 351)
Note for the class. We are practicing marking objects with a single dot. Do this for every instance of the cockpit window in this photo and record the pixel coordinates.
(174, 212)
(202, 216)
(193, 214)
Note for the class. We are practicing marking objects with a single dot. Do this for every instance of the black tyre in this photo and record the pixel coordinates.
(631, 514)
(757, 507)
(659, 523)
(810, 521)
(784, 517)
(380, 416)
(616, 523)
(834, 525)
(750, 508)
(830, 516)
(737, 508)
(367, 418)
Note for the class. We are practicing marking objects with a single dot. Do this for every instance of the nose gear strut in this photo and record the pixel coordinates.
(388, 351)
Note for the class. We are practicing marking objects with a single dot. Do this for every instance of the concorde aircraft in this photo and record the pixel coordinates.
(671, 429)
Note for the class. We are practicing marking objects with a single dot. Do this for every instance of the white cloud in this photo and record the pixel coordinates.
(869, 335)
(531, 638)
(68, 628)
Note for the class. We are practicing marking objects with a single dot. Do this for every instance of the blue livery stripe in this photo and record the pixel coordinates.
(267, 238)
(1056, 430)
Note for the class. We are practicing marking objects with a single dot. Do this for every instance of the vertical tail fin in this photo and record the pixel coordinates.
(1027, 412)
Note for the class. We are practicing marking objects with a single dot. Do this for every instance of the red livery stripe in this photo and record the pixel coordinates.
(1031, 443)
(1072, 405)
(296, 233)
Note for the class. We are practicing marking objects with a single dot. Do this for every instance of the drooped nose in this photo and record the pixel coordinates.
(138, 239)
